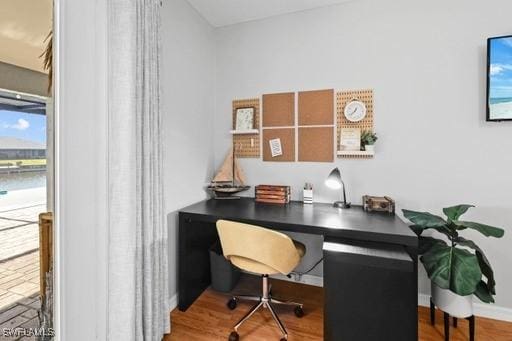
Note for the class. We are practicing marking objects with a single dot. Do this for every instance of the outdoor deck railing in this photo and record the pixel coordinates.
(45, 248)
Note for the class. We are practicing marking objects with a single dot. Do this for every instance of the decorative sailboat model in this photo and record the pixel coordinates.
(229, 180)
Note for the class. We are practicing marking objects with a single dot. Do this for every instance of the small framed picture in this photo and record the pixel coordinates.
(350, 139)
(244, 119)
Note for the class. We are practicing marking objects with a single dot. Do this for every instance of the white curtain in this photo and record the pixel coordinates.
(137, 269)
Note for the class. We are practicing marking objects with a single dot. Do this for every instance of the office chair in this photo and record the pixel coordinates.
(264, 252)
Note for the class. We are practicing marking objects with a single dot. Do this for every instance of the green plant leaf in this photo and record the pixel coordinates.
(485, 265)
(486, 269)
(452, 268)
(486, 230)
(482, 292)
(417, 229)
(450, 233)
(454, 212)
(424, 219)
(457, 227)
(426, 243)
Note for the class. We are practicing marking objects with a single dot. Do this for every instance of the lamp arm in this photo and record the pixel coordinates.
(343, 192)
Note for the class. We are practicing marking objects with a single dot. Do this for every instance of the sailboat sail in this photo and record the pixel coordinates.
(239, 174)
(225, 173)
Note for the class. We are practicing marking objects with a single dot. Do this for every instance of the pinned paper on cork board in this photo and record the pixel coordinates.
(286, 138)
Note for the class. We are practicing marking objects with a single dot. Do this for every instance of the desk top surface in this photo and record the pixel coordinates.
(317, 218)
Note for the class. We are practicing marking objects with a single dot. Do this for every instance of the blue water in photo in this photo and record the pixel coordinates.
(500, 100)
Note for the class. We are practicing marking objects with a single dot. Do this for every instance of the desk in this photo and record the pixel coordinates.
(197, 232)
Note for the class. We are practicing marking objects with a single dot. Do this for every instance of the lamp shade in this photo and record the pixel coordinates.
(333, 181)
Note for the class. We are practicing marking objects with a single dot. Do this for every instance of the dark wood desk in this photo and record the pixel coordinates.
(197, 233)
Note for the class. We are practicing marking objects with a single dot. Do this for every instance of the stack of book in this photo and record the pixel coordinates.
(272, 194)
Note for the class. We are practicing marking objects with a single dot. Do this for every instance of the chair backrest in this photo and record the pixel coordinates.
(255, 248)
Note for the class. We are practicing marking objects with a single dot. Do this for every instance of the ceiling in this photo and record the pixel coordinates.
(24, 25)
(227, 12)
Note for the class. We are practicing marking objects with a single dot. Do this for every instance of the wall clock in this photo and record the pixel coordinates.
(355, 110)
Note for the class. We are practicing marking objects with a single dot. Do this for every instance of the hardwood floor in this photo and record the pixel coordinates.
(208, 319)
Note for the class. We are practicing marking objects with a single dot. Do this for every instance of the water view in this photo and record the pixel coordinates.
(17, 181)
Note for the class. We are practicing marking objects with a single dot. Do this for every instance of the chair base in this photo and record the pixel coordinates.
(265, 301)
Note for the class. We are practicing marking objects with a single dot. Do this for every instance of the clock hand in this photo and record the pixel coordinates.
(353, 112)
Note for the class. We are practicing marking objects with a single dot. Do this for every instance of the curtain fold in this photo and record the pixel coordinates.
(138, 269)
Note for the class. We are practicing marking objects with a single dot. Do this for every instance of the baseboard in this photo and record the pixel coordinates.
(173, 302)
(483, 310)
(480, 309)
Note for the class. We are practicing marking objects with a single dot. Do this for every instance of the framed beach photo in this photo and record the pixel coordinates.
(499, 78)
(244, 119)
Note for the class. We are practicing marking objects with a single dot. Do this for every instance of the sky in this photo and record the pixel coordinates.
(501, 68)
(24, 126)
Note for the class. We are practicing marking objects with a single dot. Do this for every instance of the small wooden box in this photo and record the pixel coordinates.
(378, 204)
(272, 194)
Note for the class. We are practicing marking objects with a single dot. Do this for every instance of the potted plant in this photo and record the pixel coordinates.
(368, 139)
(457, 267)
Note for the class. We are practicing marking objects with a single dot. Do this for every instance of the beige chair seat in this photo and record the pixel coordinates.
(265, 252)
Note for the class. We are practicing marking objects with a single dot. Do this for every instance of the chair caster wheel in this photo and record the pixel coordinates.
(233, 336)
(232, 305)
(298, 311)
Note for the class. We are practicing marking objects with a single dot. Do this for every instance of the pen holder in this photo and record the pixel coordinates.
(307, 196)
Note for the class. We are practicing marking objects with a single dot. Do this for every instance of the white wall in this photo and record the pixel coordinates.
(426, 62)
(187, 104)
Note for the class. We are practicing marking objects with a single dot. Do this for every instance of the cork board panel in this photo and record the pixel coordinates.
(316, 144)
(316, 107)
(279, 110)
(342, 98)
(247, 146)
(287, 136)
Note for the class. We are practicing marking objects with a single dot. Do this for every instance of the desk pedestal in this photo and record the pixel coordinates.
(194, 241)
(370, 293)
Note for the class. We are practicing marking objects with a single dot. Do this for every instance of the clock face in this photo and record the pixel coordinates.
(355, 111)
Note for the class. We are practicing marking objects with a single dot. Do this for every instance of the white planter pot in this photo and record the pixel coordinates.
(451, 303)
(369, 148)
